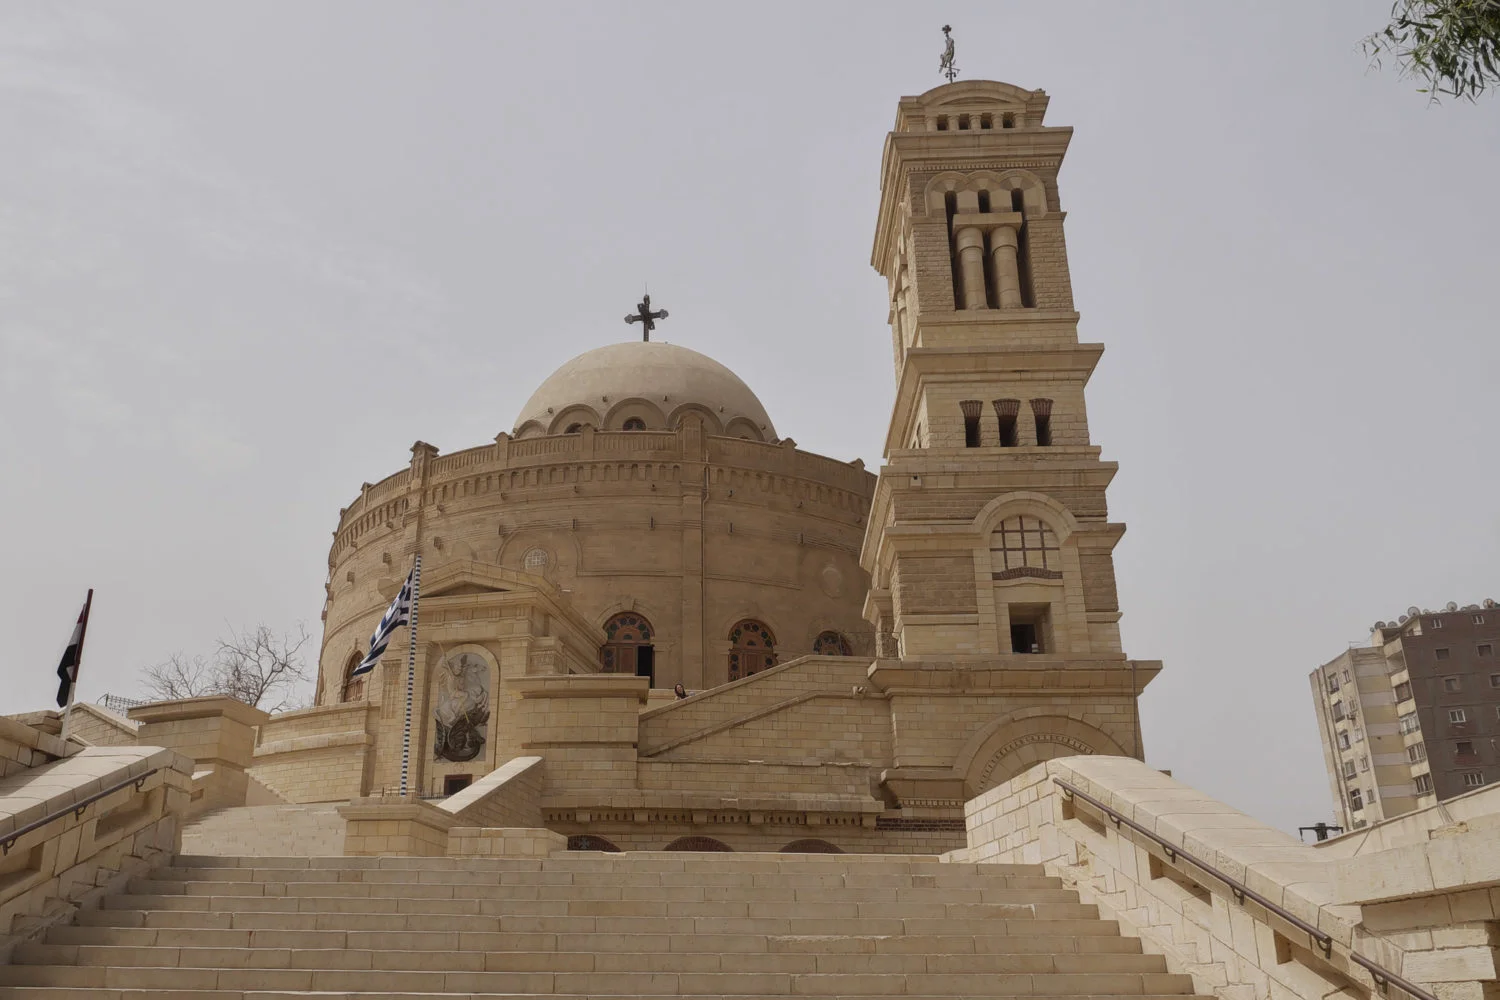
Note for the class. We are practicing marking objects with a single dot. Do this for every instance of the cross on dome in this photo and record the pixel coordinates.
(644, 316)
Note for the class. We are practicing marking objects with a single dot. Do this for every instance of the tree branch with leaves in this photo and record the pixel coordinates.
(1453, 46)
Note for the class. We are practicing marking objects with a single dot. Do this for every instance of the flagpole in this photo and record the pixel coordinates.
(411, 670)
(88, 604)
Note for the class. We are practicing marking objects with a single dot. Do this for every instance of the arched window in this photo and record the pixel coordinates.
(589, 842)
(627, 646)
(831, 644)
(353, 688)
(811, 846)
(752, 648)
(634, 424)
(573, 429)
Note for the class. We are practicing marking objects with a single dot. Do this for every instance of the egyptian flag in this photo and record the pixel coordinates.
(67, 670)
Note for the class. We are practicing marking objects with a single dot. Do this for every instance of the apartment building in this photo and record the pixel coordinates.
(1414, 717)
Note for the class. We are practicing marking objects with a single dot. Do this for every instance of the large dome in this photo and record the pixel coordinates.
(643, 385)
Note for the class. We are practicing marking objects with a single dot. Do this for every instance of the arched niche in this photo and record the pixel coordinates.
(1010, 745)
(460, 699)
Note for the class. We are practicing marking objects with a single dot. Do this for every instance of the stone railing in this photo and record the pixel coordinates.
(1250, 912)
(75, 829)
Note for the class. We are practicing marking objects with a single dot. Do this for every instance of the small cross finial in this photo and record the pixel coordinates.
(946, 67)
(644, 316)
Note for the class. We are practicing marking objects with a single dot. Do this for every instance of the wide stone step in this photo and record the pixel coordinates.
(637, 908)
(674, 893)
(531, 924)
(939, 879)
(452, 941)
(92, 993)
(621, 983)
(646, 960)
(636, 862)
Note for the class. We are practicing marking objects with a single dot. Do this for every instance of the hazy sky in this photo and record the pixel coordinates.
(250, 252)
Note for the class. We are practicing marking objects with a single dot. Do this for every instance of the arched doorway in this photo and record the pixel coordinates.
(752, 648)
(698, 844)
(628, 646)
(831, 644)
(352, 688)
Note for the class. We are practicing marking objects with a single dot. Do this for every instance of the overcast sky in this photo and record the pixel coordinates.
(250, 252)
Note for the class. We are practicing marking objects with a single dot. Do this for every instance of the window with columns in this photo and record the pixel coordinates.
(987, 234)
(1025, 546)
(752, 648)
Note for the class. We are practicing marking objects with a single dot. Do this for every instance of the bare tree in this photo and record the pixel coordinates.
(258, 667)
(178, 677)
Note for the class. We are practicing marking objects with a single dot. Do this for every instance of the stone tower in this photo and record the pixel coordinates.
(989, 543)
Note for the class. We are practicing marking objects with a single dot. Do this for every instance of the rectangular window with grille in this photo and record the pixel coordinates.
(1424, 784)
(1473, 779)
(1349, 769)
(1356, 799)
(1457, 715)
(1403, 691)
(1416, 753)
(1409, 722)
(1451, 684)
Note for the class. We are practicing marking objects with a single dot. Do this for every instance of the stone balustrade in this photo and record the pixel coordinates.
(65, 848)
(1233, 947)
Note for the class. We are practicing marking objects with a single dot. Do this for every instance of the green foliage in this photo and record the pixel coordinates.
(1451, 45)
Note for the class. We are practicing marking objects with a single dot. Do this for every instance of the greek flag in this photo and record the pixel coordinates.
(398, 614)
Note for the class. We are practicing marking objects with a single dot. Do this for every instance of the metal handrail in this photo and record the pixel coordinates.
(77, 809)
(1241, 892)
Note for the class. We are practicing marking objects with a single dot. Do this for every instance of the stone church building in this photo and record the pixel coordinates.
(863, 653)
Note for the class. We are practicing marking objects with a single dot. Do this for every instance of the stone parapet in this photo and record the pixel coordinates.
(504, 842)
(217, 732)
(509, 796)
(397, 825)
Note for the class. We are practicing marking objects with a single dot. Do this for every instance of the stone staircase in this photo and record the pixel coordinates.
(283, 831)
(589, 925)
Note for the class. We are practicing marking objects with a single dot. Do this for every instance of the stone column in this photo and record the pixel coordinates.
(971, 262)
(1004, 243)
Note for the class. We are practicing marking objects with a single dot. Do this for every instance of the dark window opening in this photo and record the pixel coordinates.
(963, 121)
(635, 424)
(1029, 628)
(573, 429)
(1042, 410)
(1006, 411)
(1023, 252)
(1008, 121)
(942, 123)
(645, 663)
(1463, 748)
(455, 783)
(971, 409)
(986, 121)
(950, 204)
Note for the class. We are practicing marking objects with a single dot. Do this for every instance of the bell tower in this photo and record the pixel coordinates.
(989, 542)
